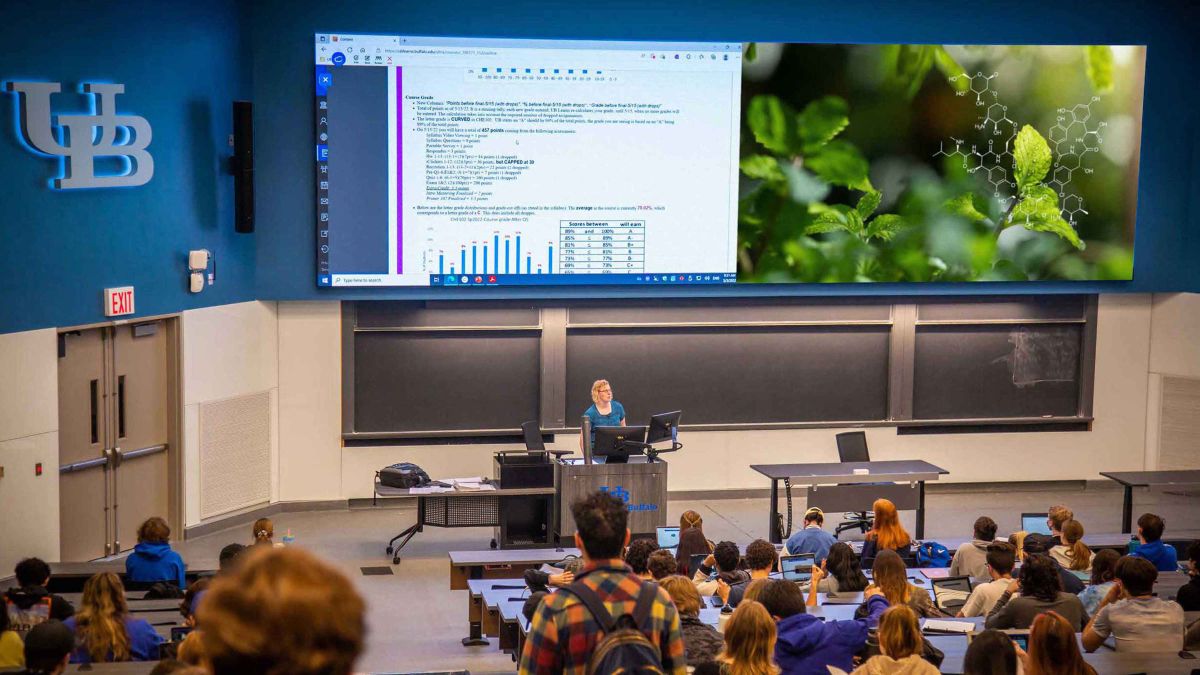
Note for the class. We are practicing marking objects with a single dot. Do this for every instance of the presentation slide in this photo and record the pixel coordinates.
(497, 162)
(452, 162)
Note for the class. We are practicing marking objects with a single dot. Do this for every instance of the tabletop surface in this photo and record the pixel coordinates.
(521, 556)
(1136, 478)
(899, 469)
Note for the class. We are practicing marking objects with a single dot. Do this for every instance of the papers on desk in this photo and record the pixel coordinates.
(432, 489)
(948, 626)
(472, 484)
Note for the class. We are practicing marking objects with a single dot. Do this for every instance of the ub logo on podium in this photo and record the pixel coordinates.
(621, 493)
(80, 139)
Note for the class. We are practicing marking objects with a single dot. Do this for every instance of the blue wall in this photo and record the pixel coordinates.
(1166, 244)
(182, 64)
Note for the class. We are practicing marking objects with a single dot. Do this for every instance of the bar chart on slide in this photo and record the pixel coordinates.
(501, 253)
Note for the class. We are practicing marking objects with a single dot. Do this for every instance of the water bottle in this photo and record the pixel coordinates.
(1133, 544)
(288, 539)
(723, 618)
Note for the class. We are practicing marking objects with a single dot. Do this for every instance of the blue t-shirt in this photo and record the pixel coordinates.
(612, 419)
(811, 540)
(1162, 555)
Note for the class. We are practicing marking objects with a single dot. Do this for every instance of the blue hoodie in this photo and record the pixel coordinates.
(143, 641)
(806, 644)
(152, 562)
(1163, 556)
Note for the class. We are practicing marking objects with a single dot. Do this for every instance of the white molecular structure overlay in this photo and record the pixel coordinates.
(1073, 136)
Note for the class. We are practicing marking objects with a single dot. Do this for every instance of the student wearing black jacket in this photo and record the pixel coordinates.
(34, 604)
(1189, 594)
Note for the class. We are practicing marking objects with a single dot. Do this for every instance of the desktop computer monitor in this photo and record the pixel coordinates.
(1035, 523)
(616, 444)
(668, 537)
(663, 427)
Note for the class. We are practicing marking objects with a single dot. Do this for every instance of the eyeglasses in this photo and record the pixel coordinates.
(604, 391)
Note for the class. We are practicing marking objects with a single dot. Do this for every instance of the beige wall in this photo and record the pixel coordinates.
(310, 387)
(28, 435)
(228, 351)
(1174, 352)
(720, 460)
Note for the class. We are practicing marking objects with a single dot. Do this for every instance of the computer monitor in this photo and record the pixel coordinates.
(797, 567)
(668, 537)
(664, 427)
(616, 444)
(1035, 523)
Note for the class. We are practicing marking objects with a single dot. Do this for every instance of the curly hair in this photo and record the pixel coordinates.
(638, 554)
(1039, 578)
(761, 555)
(662, 563)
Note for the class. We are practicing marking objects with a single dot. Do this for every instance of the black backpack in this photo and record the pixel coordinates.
(624, 647)
(403, 475)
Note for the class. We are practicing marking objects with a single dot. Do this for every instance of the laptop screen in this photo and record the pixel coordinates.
(668, 537)
(1035, 523)
(797, 567)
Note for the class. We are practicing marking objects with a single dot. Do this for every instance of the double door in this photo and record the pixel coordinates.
(114, 433)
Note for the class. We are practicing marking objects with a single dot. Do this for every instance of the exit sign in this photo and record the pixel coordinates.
(118, 301)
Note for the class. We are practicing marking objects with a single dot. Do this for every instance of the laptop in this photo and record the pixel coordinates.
(797, 567)
(668, 537)
(1035, 523)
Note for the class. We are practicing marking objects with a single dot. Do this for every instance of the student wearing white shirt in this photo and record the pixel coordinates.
(1001, 557)
(1138, 621)
(1071, 552)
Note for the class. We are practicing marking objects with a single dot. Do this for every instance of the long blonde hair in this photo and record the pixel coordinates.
(891, 577)
(101, 618)
(1017, 539)
(1077, 551)
(750, 641)
(899, 632)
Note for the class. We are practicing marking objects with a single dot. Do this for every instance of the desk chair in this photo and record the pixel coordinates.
(951, 593)
(852, 447)
(533, 440)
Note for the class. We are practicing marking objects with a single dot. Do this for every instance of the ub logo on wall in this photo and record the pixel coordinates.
(80, 139)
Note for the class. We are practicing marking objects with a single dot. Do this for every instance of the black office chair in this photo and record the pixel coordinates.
(852, 447)
(534, 442)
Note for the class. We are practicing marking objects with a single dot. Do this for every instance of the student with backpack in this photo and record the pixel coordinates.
(608, 619)
(30, 604)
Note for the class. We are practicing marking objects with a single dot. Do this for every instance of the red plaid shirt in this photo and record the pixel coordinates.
(563, 632)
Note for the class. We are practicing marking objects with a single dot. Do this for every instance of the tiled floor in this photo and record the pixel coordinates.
(416, 622)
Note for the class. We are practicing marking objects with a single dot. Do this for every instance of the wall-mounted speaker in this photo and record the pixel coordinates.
(243, 167)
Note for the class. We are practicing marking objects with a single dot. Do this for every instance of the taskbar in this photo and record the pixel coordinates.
(460, 280)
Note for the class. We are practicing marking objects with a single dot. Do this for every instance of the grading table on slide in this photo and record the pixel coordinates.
(598, 246)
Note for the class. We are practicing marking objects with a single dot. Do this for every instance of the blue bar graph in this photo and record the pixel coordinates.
(474, 260)
(441, 263)
(485, 258)
(496, 252)
(488, 260)
(506, 243)
(464, 258)
(528, 264)
(550, 261)
(518, 256)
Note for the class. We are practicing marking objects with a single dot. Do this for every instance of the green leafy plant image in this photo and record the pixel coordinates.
(897, 163)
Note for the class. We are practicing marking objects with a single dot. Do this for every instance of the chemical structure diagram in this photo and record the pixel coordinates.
(1073, 137)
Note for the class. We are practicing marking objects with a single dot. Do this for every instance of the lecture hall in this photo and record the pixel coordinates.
(399, 337)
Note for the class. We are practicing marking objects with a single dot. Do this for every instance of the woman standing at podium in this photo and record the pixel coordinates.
(604, 412)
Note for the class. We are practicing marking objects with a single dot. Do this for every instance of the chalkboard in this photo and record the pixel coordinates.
(442, 380)
(734, 375)
(992, 371)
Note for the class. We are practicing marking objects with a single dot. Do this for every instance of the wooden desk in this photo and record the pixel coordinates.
(842, 473)
(69, 577)
(1148, 479)
(475, 604)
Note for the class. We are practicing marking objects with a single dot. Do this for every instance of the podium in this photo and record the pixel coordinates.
(641, 483)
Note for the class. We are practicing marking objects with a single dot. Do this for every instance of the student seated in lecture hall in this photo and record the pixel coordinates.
(691, 541)
(886, 533)
(263, 533)
(970, 559)
(806, 644)
(662, 564)
(990, 653)
(152, 559)
(1056, 516)
(1104, 566)
(1001, 558)
(841, 572)
(724, 559)
(12, 650)
(1188, 596)
(1067, 581)
(701, 642)
(900, 645)
(1149, 534)
(1137, 620)
(105, 630)
(1071, 552)
(637, 556)
(890, 576)
(48, 649)
(750, 641)
(761, 559)
(1053, 648)
(811, 538)
(30, 603)
(1040, 591)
